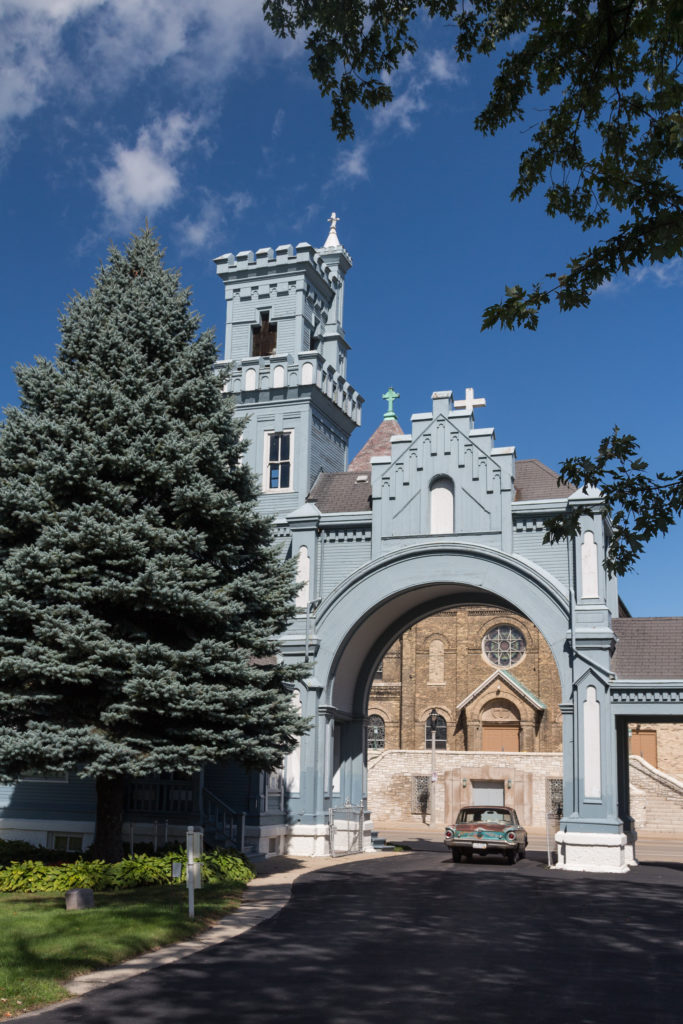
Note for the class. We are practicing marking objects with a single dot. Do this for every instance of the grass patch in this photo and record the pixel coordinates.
(42, 945)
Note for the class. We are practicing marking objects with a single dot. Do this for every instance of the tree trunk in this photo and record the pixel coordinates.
(109, 822)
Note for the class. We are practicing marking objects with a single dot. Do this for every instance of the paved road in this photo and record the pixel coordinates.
(417, 938)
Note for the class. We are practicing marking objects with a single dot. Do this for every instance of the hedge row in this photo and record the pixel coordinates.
(19, 849)
(129, 873)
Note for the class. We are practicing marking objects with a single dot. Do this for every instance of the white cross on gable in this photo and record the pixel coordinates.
(469, 402)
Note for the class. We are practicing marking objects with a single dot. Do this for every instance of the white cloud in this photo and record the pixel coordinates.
(443, 67)
(663, 275)
(145, 178)
(401, 111)
(435, 68)
(666, 275)
(210, 221)
(86, 50)
(352, 163)
(278, 122)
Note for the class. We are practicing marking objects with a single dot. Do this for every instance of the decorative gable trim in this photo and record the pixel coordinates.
(512, 681)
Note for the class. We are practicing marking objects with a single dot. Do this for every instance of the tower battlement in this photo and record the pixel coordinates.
(285, 257)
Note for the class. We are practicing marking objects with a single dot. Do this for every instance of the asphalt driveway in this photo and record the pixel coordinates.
(418, 938)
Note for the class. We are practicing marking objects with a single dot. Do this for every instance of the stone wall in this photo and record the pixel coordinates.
(391, 773)
(656, 798)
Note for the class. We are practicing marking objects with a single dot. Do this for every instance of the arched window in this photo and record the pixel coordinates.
(279, 377)
(442, 506)
(436, 661)
(441, 738)
(375, 732)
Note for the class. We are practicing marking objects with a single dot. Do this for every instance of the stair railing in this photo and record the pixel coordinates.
(223, 817)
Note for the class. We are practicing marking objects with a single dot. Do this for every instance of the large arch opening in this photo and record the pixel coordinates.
(377, 606)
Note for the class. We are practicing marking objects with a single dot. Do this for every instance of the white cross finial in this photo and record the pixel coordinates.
(332, 240)
(469, 402)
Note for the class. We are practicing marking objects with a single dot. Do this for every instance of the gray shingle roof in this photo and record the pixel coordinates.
(648, 648)
(534, 481)
(341, 492)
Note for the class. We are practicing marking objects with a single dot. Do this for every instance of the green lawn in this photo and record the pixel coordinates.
(41, 944)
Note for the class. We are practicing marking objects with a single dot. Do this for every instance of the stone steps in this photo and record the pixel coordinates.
(656, 798)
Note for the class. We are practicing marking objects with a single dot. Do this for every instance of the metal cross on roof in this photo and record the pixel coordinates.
(469, 402)
(332, 239)
(390, 397)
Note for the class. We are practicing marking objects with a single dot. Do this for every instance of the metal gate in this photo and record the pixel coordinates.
(346, 829)
(553, 813)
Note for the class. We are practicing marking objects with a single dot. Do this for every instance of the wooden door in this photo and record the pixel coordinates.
(644, 743)
(500, 736)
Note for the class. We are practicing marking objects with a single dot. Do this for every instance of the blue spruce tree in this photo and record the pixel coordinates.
(140, 594)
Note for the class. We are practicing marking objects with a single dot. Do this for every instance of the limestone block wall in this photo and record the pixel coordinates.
(656, 798)
(670, 747)
(391, 774)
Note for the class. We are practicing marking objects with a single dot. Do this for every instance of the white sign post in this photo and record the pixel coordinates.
(195, 849)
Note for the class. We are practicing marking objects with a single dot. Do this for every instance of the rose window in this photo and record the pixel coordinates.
(504, 646)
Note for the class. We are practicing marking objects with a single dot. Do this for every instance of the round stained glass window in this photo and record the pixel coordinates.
(504, 646)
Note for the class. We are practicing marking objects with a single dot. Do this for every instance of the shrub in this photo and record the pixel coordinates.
(129, 873)
(18, 849)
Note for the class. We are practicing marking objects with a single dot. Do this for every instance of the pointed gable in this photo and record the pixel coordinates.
(512, 682)
(443, 453)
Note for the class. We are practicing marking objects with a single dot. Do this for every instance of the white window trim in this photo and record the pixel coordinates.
(52, 836)
(267, 489)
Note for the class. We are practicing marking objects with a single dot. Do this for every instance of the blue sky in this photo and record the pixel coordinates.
(191, 114)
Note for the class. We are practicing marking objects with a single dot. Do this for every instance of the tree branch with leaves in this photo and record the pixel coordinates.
(607, 151)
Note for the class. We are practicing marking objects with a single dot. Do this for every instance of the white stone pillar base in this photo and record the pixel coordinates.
(308, 841)
(604, 852)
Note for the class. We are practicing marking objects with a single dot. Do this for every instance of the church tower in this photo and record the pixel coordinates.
(286, 354)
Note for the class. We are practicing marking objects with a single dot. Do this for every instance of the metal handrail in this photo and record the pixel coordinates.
(233, 821)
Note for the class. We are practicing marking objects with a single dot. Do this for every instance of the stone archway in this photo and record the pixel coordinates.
(362, 618)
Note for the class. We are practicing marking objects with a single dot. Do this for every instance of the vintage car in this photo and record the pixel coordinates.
(486, 830)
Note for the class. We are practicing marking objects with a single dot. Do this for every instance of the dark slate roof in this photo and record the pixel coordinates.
(341, 492)
(648, 648)
(534, 481)
(379, 444)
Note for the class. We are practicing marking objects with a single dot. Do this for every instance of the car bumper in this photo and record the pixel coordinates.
(482, 845)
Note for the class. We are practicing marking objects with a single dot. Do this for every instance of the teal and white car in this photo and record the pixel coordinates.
(485, 830)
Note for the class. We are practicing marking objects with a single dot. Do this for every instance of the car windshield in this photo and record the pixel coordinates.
(487, 815)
